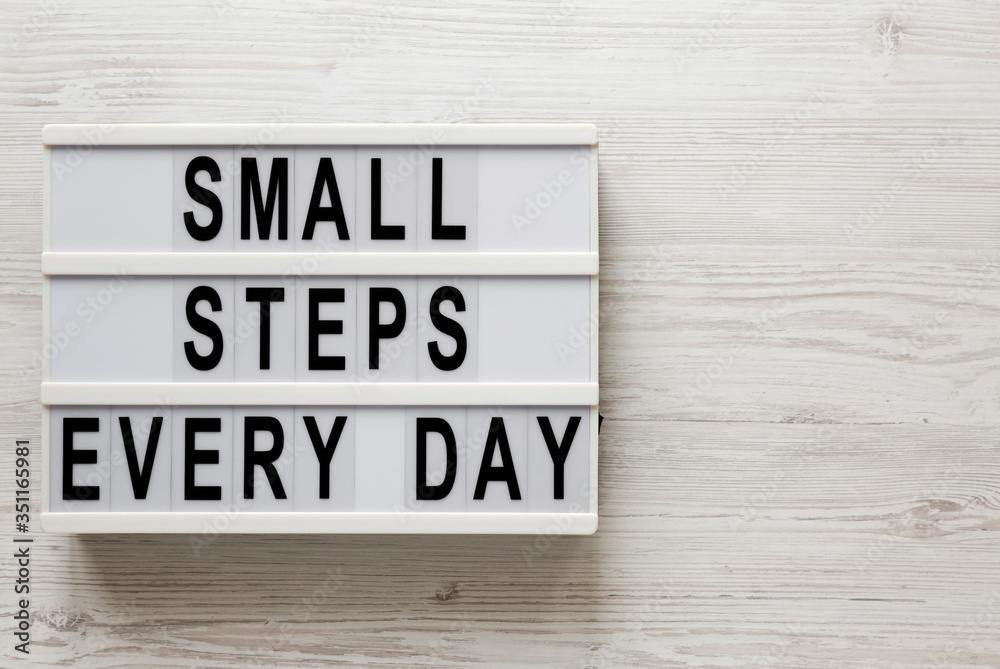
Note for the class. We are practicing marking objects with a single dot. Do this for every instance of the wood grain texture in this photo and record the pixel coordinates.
(800, 462)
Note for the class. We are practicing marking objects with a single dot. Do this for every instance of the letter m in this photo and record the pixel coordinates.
(277, 196)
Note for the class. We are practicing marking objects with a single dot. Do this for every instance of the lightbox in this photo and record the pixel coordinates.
(320, 328)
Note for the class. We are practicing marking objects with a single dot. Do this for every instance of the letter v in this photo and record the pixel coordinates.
(140, 477)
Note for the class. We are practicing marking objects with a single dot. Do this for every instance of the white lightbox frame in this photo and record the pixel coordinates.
(354, 264)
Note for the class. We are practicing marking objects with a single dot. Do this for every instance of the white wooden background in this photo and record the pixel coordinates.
(800, 363)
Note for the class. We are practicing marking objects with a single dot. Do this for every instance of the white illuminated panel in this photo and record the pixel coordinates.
(264, 199)
(527, 326)
(141, 449)
(204, 341)
(436, 459)
(497, 472)
(202, 460)
(326, 329)
(263, 329)
(451, 225)
(531, 198)
(387, 329)
(323, 458)
(560, 468)
(93, 317)
(355, 329)
(452, 302)
(379, 462)
(391, 174)
(326, 204)
(202, 196)
(80, 459)
(111, 198)
(263, 451)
